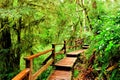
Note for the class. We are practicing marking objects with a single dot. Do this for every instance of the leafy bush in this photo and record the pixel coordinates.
(76, 73)
(107, 45)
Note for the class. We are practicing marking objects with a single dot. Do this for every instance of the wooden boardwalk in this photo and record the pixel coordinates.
(60, 75)
(66, 62)
(64, 67)
(75, 53)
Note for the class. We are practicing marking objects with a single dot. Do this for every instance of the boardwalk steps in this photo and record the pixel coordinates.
(60, 75)
(64, 67)
(66, 63)
(75, 53)
(85, 46)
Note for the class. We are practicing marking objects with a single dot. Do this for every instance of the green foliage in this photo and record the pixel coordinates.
(76, 73)
(46, 21)
(106, 42)
(108, 46)
(45, 74)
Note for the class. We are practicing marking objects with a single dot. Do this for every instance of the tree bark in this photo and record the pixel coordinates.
(6, 58)
(85, 14)
(10, 58)
(17, 52)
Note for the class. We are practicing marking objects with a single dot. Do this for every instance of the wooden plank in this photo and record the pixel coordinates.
(22, 74)
(85, 46)
(66, 62)
(43, 68)
(60, 52)
(60, 75)
(37, 55)
(75, 53)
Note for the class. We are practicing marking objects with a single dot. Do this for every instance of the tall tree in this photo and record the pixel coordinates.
(6, 58)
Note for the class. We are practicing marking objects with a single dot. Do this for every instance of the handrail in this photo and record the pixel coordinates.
(43, 68)
(49, 60)
(38, 54)
(59, 44)
(22, 74)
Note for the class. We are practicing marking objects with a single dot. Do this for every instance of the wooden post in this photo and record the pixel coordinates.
(64, 46)
(53, 53)
(29, 65)
(75, 44)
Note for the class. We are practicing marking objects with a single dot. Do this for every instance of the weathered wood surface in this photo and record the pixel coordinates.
(85, 46)
(38, 54)
(60, 75)
(22, 74)
(75, 53)
(66, 62)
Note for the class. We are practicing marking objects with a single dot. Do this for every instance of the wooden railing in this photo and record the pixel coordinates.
(27, 74)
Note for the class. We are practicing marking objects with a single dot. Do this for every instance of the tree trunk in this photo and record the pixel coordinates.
(10, 58)
(17, 51)
(6, 58)
(85, 16)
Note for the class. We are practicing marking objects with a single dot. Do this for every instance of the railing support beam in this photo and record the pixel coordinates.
(29, 65)
(53, 53)
(64, 46)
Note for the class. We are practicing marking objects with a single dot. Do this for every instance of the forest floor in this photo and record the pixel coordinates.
(85, 73)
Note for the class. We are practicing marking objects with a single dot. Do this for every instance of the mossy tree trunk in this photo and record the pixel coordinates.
(6, 57)
(9, 57)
